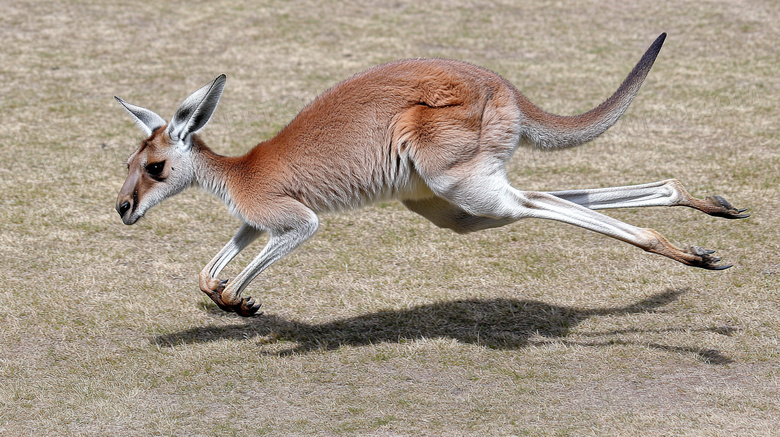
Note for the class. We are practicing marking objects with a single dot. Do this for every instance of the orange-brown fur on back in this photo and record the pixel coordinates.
(370, 136)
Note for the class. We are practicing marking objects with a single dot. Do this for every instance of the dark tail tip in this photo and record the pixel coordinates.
(660, 40)
(656, 47)
(638, 74)
(649, 57)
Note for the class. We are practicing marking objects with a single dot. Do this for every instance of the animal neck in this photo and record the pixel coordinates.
(211, 171)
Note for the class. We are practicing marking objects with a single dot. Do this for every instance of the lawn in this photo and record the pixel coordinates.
(383, 324)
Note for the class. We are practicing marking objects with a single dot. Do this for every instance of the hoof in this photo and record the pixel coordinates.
(705, 260)
(247, 308)
(722, 208)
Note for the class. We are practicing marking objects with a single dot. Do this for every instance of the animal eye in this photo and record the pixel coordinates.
(155, 169)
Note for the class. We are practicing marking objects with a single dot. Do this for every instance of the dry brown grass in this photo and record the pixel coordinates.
(382, 324)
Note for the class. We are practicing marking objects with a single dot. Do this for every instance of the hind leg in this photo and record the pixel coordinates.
(489, 201)
(663, 193)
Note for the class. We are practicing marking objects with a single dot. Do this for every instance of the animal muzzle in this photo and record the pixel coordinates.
(125, 206)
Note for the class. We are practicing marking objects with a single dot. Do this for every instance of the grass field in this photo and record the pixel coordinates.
(383, 324)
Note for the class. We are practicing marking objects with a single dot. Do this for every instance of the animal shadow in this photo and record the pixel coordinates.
(493, 323)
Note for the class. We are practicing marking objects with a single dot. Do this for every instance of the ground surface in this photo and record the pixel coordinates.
(383, 324)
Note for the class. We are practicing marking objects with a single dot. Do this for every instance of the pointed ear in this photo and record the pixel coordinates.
(147, 120)
(196, 110)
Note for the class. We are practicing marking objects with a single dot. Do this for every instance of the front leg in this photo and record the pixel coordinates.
(208, 282)
(298, 224)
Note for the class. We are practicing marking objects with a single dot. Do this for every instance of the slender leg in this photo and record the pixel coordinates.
(663, 193)
(208, 283)
(281, 242)
(494, 199)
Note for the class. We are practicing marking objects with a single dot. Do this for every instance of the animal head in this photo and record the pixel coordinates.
(164, 164)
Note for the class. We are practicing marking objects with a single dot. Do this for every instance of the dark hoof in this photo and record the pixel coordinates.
(706, 260)
(724, 209)
(247, 308)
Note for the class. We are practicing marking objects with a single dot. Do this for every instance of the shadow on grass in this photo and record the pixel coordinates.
(493, 323)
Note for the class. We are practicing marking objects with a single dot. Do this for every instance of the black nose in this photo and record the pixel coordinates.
(123, 208)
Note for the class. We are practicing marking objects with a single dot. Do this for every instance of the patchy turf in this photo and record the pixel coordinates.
(383, 324)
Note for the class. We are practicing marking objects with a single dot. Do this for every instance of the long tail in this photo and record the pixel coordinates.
(550, 131)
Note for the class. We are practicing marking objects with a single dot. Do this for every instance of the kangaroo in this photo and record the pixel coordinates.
(435, 134)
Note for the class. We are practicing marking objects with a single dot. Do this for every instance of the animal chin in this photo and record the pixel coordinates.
(131, 218)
